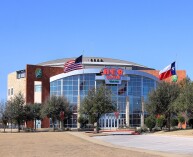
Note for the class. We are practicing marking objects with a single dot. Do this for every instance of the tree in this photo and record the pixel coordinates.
(53, 107)
(190, 122)
(161, 100)
(4, 121)
(10, 112)
(150, 122)
(36, 108)
(83, 121)
(184, 102)
(96, 103)
(3, 114)
(15, 109)
(32, 112)
(28, 113)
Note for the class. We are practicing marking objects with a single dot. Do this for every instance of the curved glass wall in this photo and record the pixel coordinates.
(135, 87)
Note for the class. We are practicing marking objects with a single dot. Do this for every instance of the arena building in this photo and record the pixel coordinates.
(129, 82)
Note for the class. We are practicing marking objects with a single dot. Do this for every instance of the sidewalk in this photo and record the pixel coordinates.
(131, 143)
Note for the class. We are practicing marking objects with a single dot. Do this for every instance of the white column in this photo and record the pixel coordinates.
(142, 111)
(78, 103)
(127, 111)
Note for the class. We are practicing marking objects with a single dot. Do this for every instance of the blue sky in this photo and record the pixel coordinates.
(148, 32)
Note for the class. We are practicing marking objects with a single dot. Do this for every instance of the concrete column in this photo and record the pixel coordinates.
(78, 103)
(127, 111)
(142, 111)
(78, 114)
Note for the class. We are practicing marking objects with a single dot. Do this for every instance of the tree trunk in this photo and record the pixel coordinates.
(4, 128)
(35, 124)
(11, 125)
(53, 121)
(97, 127)
(18, 122)
(62, 125)
(169, 120)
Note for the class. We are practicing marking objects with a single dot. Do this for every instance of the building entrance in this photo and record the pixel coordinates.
(110, 121)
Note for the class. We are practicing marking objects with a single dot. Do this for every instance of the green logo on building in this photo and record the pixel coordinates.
(38, 73)
(174, 78)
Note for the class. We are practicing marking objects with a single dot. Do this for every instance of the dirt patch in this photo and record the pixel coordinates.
(58, 144)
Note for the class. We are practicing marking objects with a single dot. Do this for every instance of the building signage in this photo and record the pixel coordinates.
(38, 73)
(113, 75)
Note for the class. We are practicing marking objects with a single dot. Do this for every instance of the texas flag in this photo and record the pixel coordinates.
(167, 71)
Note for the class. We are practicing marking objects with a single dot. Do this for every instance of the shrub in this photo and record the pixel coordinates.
(83, 121)
(174, 122)
(144, 128)
(141, 129)
(138, 129)
(190, 122)
(160, 121)
(156, 128)
(181, 120)
(89, 126)
(150, 122)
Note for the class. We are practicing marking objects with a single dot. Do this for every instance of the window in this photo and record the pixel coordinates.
(38, 88)
(8, 92)
(11, 91)
(20, 74)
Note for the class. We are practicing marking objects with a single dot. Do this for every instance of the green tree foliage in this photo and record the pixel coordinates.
(150, 122)
(4, 121)
(15, 109)
(3, 114)
(160, 100)
(32, 112)
(36, 108)
(53, 107)
(184, 103)
(83, 120)
(181, 120)
(96, 103)
(28, 113)
(174, 122)
(160, 121)
(190, 122)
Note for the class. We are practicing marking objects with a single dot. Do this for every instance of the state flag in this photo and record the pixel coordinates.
(168, 71)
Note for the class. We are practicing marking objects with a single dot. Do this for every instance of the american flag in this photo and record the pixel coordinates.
(75, 64)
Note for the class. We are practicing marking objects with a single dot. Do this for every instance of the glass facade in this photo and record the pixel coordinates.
(135, 87)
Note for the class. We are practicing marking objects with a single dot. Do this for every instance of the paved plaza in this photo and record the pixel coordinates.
(168, 144)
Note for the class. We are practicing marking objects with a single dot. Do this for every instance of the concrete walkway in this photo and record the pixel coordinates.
(167, 144)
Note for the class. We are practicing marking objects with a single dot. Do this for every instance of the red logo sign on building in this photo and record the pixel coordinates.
(112, 75)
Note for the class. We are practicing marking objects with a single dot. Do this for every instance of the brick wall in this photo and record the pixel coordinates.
(180, 73)
(47, 72)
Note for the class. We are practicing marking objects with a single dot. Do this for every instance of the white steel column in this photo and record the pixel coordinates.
(127, 111)
(78, 102)
(142, 111)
